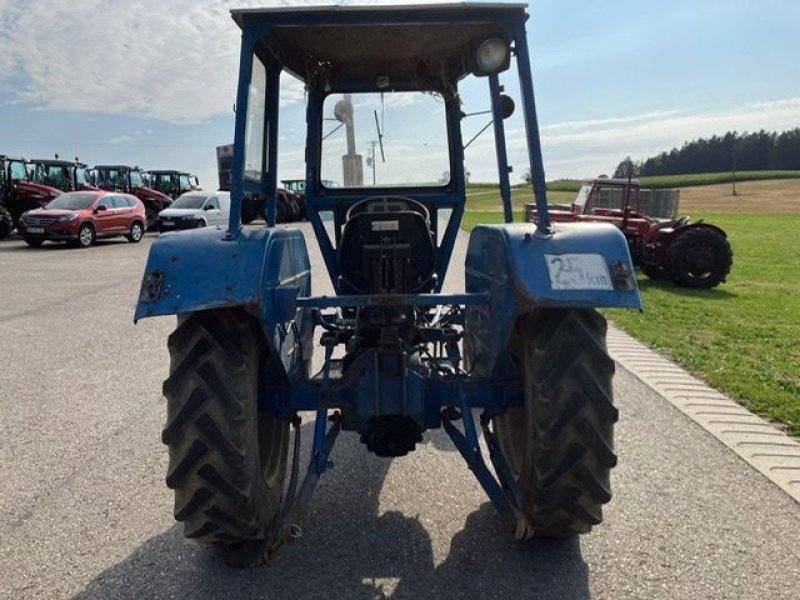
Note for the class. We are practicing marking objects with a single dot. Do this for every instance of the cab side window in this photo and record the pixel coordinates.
(18, 171)
(212, 203)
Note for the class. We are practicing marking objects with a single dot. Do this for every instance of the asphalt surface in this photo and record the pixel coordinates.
(84, 510)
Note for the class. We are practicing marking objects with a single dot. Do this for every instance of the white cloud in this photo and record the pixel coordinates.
(121, 139)
(596, 147)
(578, 125)
(176, 61)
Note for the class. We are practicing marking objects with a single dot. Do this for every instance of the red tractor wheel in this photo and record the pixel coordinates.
(699, 258)
(6, 222)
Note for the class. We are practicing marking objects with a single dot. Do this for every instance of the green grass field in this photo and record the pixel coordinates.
(743, 337)
(679, 181)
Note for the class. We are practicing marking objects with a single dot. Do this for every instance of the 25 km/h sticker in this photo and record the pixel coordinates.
(578, 272)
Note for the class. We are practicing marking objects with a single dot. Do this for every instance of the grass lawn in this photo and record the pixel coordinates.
(743, 337)
(679, 181)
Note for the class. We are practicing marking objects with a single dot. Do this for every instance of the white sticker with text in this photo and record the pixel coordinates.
(578, 272)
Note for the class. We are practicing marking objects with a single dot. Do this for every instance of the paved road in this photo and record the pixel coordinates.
(84, 511)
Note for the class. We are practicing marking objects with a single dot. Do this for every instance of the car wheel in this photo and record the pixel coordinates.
(136, 232)
(86, 236)
(6, 222)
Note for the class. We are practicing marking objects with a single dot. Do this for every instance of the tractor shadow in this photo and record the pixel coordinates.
(351, 550)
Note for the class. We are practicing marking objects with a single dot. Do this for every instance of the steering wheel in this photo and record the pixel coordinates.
(387, 204)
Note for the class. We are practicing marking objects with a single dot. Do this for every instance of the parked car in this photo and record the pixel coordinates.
(196, 209)
(81, 218)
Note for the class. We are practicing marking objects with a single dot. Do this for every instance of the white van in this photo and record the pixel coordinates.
(196, 209)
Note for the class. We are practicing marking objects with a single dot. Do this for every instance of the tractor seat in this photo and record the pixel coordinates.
(387, 248)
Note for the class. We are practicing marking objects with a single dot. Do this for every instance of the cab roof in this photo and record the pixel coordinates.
(117, 167)
(360, 43)
(57, 162)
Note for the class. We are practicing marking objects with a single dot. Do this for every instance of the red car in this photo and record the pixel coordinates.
(82, 217)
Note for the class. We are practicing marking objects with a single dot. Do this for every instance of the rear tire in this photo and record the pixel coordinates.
(281, 212)
(151, 217)
(227, 461)
(559, 445)
(6, 222)
(699, 258)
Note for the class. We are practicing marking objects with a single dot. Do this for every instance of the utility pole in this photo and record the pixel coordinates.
(733, 162)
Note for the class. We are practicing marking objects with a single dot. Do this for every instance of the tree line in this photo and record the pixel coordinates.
(760, 151)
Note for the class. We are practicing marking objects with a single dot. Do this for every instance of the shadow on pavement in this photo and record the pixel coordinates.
(349, 550)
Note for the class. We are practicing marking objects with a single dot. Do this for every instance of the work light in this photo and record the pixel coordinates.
(491, 56)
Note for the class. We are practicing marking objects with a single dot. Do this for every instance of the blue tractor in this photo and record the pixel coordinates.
(519, 357)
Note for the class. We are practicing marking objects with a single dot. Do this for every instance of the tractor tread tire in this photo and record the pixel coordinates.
(562, 439)
(679, 268)
(150, 218)
(224, 493)
(6, 223)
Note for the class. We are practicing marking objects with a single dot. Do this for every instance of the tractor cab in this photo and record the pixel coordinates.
(116, 178)
(67, 176)
(12, 171)
(172, 183)
(294, 185)
(48, 178)
(385, 89)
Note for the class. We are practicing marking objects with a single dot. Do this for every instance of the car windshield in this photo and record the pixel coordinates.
(189, 202)
(72, 202)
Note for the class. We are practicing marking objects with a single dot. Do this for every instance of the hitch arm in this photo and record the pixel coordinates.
(506, 503)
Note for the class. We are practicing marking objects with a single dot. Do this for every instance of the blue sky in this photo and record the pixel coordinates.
(153, 83)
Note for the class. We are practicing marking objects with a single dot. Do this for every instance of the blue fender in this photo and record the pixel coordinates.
(576, 265)
(260, 270)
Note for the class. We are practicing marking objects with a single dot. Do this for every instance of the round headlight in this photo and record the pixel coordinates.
(492, 55)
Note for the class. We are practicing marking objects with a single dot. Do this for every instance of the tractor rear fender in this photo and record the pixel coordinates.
(658, 246)
(675, 232)
(576, 265)
(262, 271)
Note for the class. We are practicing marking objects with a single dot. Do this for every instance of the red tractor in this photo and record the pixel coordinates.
(298, 187)
(695, 255)
(46, 179)
(12, 170)
(172, 183)
(131, 180)
(291, 200)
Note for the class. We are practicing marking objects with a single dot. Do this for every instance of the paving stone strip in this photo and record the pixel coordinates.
(758, 442)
